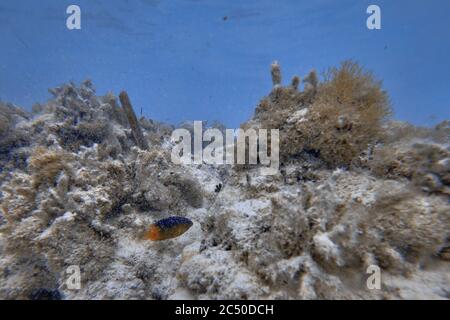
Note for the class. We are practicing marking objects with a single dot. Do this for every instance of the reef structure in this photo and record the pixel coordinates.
(354, 190)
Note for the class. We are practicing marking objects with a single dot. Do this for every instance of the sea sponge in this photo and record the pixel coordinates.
(276, 73)
(295, 82)
(311, 83)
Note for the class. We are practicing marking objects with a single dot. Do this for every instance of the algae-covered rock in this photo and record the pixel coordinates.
(77, 195)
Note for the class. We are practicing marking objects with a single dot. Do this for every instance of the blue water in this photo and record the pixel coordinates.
(210, 60)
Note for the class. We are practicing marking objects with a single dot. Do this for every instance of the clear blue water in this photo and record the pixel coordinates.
(209, 60)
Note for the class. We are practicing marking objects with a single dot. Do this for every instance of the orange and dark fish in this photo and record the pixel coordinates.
(168, 228)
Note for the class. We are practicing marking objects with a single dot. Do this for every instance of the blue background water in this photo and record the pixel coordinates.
(181, 59)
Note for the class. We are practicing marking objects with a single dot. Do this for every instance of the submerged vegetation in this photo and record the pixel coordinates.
(336, 119)
(80, 187)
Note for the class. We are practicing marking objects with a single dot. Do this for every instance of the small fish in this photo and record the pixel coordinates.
(168, 228)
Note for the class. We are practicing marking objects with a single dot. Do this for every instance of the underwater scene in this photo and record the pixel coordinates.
(224, 150)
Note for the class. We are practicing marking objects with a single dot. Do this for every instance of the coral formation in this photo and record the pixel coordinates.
(353, 190)
(336, 119)
(132, 120)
